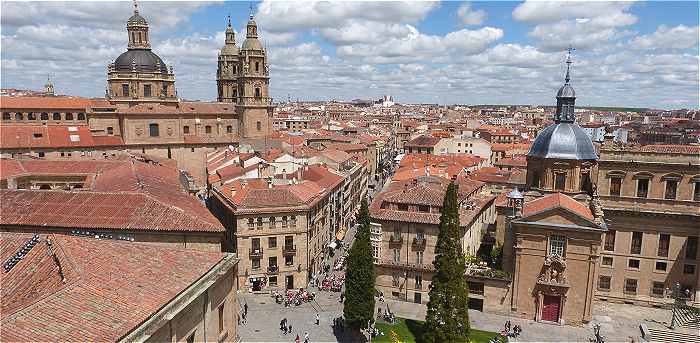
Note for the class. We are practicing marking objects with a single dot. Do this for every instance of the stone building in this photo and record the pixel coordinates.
(651, 199)
(405, 225)
(139, 75)
(66, 288)
(281, 228)
(243, 78)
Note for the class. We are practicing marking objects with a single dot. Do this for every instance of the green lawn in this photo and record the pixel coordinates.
(412, 331)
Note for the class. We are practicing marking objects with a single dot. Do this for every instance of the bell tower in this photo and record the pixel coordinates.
(254, 104)
(228, 69)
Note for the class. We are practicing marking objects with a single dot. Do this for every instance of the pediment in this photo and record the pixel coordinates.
(559, 216)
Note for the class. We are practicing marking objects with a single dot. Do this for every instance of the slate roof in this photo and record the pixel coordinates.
(110, 287)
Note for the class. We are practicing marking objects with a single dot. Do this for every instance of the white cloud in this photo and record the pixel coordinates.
(679, 37)
(469, 16)
(283, 16)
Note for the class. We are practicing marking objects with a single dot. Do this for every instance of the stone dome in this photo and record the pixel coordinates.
(251, 44)
(136, 19)
(229, 50)
(566, 91)
(566, 141)
(146, 61)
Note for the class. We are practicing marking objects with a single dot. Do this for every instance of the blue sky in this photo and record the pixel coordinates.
(628, 53)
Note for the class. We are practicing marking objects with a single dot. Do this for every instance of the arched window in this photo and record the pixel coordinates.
(229, 129)
(153, 130)
(257, 66)
(56, 116)
(19, 116)
(31, 116)
(44, 116)
(6, 116)
(69, 116)
(81, 116)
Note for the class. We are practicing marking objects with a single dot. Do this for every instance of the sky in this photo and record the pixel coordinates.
(629, 54)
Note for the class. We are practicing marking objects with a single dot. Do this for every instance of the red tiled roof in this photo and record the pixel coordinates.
(556, 200)
(423, 141)
(107, 140)
(510, 146)
(127, 194)
(518, 161)
(44, 102)
(184, 107)
(45, 136)
(672, 149)
(110, 287)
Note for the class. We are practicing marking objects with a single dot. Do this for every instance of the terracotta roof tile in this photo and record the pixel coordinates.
(672, 149)
(44, 102)
(92, 304)
(556, 200)
(45, 136)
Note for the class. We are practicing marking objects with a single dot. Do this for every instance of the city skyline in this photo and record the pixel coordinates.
(627, 54)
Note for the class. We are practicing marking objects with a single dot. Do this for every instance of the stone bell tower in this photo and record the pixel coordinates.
(228, 69)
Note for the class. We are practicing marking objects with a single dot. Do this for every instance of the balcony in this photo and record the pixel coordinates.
(256, 253)
(418, 243)
(273, 269)
(289, 250)
(395, 240)
(254, 101)
(410, 266)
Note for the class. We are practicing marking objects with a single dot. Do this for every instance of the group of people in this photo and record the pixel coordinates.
(516, 330)
(286, 328)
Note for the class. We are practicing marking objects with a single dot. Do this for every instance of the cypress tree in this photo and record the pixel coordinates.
(447, 319)
(359, 276)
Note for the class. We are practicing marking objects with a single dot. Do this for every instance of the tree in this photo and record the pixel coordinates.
(358, 309)
(447, 319)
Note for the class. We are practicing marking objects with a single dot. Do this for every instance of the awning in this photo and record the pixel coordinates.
(340, 234)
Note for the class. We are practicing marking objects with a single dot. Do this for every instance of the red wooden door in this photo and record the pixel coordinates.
(550, 308)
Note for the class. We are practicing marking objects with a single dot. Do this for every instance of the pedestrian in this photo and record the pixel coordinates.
(318, 319)
(282, 326)
(306, 337)
(297, 340)
(289, 328)
(245, 308)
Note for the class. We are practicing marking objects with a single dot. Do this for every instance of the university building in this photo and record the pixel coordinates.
(141, 111)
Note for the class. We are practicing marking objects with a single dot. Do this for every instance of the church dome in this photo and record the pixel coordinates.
(565, 140)
(145, 61)
(251, 44)
(566, 91)
(136, 19)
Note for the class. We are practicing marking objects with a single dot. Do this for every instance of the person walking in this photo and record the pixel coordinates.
(297, 340)
(245, 308)
(306, 337)
(318, 319)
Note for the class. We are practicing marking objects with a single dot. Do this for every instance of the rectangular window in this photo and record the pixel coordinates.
(229, 129)
(609, 240)
(272, 261)
(419, 257)
(691, 248)
(256, 263)
(636, 244)
(272, 242)
(110, 130)
(615, 186)
(272, 280)
(288, 242)
(153, 130)
(125, 90)
(557, 245)
(419, 281)
(397, 255)
(633, 263)
(671, 186)
(255, 243)
(664, 241)
(423, 208)
(147, 91)
(259, 126)
(689, 269)
(221, 318)
(207, 129)
(696, 191)
(559, 181)
(288, 260)
(631, 286)
(395, 280)
(186, 129)
(604, 282)
(657, 289)
(607, 261)
(661, 266)
(642, 188)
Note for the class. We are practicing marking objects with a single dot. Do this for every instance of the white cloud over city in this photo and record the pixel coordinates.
(346, 50)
